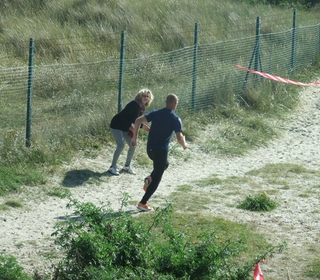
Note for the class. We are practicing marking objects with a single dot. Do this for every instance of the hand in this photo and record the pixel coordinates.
(133, 142)
(145, 127)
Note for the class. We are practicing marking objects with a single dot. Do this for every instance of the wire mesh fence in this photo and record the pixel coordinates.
(64, 95)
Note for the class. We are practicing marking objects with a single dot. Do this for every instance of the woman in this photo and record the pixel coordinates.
(121, 128)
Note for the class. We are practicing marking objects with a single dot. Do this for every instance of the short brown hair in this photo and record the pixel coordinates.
(172, 99)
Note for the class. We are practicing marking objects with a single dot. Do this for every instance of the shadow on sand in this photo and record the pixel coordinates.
(75, 178)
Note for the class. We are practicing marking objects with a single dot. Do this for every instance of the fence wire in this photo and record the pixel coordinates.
(65, 94)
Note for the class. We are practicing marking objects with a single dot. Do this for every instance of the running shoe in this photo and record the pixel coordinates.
(113, 171)
(144, 207)
(128, 170)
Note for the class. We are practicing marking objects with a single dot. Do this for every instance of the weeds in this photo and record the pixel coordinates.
(13, 204)
(59, 192)
(10, 269)
(100, 243)
(12, 178)
(84, 240)
(314, 269)
(72, 97)
(260, 202)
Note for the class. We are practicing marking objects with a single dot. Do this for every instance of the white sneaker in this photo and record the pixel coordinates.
(113, 171)
(128, 170)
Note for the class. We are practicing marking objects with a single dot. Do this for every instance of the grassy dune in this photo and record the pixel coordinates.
(69, 33)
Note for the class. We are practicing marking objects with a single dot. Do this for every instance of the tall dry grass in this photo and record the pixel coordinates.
(70, 32)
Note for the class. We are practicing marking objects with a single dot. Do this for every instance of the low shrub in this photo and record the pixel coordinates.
(10, 269)
(102, 244)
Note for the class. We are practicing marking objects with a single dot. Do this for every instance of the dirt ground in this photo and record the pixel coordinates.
(26, 232)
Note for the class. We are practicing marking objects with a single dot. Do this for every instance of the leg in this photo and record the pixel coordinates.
(148, 179)
(131, 150)
(160, 164)
(118, 137)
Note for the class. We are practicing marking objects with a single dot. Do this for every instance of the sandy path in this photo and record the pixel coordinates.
(25, 233)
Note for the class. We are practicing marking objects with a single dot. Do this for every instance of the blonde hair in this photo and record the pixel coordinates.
(142, 92)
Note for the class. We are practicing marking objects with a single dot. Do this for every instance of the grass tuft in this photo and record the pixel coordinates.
(259, 203)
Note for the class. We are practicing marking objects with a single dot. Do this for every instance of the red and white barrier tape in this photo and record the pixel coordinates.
(276, 78)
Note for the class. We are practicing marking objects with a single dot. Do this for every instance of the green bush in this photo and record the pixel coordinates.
(10, 269)
(102, 244)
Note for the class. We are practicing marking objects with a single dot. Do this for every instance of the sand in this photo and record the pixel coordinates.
(26, 232)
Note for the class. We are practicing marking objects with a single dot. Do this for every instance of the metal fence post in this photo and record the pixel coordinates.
(255, 54)
(29, 98)
(123, 36)
(257, 61)
(194, 72)
(318, 43)
(293, 48)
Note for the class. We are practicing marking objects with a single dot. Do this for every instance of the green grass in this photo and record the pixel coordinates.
(189, 202)
(259, 203)
(59, 192)
(271, 178)
(193, 224)
(160, 25)
(313, 269)
(13, 204)
(4, 207)
(12, 178)
(164, 243)
(70, 111)
(280, 173)
(256, 191)
(10, 268)
(65, 30)
(184, 188)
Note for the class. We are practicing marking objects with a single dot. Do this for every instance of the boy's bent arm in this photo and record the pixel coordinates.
(137, 123)
(181, 139)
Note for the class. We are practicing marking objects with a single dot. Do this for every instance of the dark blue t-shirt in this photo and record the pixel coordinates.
(164, 123)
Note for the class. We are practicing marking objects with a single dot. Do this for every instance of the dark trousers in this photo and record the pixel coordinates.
(160, 164)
